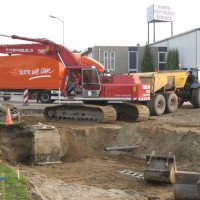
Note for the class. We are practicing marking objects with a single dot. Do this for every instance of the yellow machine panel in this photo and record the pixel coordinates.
(166, 80)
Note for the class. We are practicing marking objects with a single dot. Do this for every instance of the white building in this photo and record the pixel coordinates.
(188, 45)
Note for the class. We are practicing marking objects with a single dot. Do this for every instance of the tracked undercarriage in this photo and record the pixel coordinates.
(99, 114)
(131, 112)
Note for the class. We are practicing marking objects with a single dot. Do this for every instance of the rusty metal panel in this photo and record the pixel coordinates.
(160, 168)
(187, 185)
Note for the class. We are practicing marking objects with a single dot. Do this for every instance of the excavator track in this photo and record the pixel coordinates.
(131, 112)
(81, 112)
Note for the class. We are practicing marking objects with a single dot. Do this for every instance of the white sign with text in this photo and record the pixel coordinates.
(156, 13)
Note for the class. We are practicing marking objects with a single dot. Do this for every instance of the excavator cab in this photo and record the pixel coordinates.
(83, 82)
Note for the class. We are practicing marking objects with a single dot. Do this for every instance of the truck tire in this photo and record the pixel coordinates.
(171, 102)
(157, 105)
(45, 97)
(195, 101)
(6, 98)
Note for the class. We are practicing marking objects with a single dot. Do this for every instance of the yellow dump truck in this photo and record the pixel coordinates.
(172, 88)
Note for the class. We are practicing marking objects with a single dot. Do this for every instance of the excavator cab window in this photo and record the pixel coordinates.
(74, 83)
(91, 82)
(91, 79)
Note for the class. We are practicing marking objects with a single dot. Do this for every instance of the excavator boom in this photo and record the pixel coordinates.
(41, 47)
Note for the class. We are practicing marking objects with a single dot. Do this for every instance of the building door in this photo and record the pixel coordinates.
(162, 60)
(132, 61)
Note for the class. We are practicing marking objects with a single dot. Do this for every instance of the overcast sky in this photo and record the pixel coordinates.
(90, 23)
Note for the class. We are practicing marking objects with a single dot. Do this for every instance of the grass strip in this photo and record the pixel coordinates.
(15, 189)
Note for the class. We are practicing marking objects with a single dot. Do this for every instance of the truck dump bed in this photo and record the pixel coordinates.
(166, 80)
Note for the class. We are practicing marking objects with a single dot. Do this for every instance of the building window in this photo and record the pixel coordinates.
(91, 55)
(106, 59)
(132, 61)
(162, 57)
(112, 60)
(161, 60)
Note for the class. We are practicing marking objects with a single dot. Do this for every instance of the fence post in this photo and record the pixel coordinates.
(25, 97)
(59, 95)
(2, 187)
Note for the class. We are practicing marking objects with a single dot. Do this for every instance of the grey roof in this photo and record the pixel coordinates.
(184, 33)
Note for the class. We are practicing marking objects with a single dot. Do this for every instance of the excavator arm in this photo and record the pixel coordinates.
(48, 48)
(41, 47)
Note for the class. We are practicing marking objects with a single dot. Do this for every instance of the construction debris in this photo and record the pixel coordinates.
(46, 145)
(134, 174)
(160, 168)
(4, 109)
(125, 148)
(187, 185)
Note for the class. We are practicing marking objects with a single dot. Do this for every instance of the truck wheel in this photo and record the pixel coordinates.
(195, 101)
(171, 102)
(157, 105)
(6, 98)
(45, 97)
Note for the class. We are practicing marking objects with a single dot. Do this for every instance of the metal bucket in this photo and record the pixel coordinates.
(187, 185)
(160, 168)
(46, 145)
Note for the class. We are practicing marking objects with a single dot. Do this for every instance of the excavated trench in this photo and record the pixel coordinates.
(16, 141)
(82, 141)
(85, 161)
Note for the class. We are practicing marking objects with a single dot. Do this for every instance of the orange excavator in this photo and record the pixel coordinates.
(105, 98)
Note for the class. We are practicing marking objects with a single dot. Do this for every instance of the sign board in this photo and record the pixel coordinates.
(160, 13)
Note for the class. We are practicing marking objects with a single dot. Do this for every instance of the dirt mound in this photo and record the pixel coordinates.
(15, 140)
(82, 142)
(183, 142)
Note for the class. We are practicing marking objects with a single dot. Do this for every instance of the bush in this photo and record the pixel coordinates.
(147, 62)
(172, 59)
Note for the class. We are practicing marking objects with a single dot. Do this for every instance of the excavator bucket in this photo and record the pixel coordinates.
(187, 185)
(160, 168)
(46, 145)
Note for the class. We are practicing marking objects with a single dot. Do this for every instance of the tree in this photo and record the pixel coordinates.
(172, 59)
(147, 62)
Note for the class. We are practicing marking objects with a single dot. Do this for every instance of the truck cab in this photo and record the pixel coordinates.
(193, 76)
